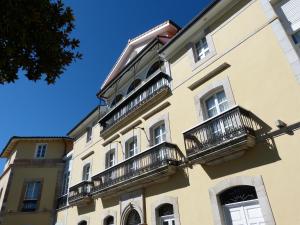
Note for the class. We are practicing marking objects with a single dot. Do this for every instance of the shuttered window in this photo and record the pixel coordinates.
(289, 13)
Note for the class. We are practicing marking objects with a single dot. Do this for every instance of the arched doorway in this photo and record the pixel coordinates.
(241, 206)
(133, 218)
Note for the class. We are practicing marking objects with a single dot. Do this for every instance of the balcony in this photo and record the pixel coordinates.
(221, 138)
(152, 165)
(145, 97)
(80, 193)
(62, 201)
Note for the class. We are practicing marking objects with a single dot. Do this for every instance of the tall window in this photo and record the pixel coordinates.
(109, 220)
(110, 158)
(40, 151)
(65, 185)
(131, 147)
(133, 85)
(202, 48)
(89, 133)
(296, 38)
(159, 133)
(155, 66)
(215, 105)
(166, 215)
(31, 196)
(86, 172)
(116, 100)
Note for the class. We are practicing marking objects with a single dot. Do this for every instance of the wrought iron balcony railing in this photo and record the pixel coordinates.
(80, 192)
(132, 171)
(219, 136)
(62, 201)
(157, 84)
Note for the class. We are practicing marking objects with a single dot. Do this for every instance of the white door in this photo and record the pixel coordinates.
(243, 213)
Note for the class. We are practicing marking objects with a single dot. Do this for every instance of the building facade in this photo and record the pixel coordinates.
(200, 125)
(31, 180)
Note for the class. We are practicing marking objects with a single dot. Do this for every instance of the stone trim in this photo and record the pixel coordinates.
(110, 147)
(255, 181)
(153, 122)
(106, 214)
(283, 39)
(210, 89)
(127, 210)
(163, 200)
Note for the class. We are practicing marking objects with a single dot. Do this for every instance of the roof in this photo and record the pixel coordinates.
(94, 110)
(15, 139)
(191, 23)
(168, 28)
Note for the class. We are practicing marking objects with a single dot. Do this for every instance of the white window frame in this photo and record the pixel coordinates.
(201, 53)
(37, 150)
(89, 134)
(162, 136)
(84, 172)
(108, 160)
(217, 104)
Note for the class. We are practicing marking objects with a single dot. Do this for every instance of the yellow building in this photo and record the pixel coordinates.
(31, 180)
(200, 125)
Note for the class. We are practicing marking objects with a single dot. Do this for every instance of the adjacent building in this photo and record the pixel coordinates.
(31, 180)
(200, 125)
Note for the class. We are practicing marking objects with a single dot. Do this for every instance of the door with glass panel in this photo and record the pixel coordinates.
(159, 136)
(130, 151)
(215, 105)
(166, 214)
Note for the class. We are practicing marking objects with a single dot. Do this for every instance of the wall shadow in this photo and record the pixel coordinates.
(176, 181)
(110, 202)
(263, 153)
(86, 208)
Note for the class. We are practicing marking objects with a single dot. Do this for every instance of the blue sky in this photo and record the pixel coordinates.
(103, 27)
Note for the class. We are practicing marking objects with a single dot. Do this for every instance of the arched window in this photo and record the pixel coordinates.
(155, 66)
(109, 220)
(133, 218)
(241, 206)
(83, 222)
(133, 85)
(238, 194)
(116, 100)
(86, 172)
(166, 214)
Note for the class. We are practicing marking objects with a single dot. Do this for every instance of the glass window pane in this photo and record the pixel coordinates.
(296, 37)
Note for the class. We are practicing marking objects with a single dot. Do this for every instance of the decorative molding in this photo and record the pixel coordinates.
(130, 127)
(87, 155)
(209, 75)
(110, 140)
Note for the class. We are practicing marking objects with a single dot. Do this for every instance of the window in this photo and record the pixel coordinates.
(166, 215)
(296, 38)
(133, 218)
(89, 133)
(216, 104)
(130, 151)
(31, 196)
(155, 66)
(110, 158)
(86, 172)
(40, 151)
(116, 100)
(83, 222)
(109, 220)
(133, 85)
(131, 147)
(1, 192)
(201, 48)
(159, 133)
(65, 185)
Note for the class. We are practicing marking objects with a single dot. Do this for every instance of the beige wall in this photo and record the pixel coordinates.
(261, 81)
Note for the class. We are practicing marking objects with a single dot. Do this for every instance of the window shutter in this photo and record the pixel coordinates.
(289, 10)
